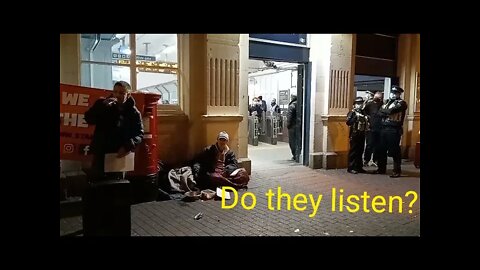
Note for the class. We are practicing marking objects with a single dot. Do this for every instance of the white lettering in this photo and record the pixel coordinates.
(74, 120)
(67, 119)
(68, 98)
(81, 121)
(75, 99)
(83, 100)
(86, 149)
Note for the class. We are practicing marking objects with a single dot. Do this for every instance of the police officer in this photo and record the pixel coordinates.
(393, 114)
(358, 123)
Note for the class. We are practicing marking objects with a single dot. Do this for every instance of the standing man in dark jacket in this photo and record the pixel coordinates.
(357, 122)
(372, 135)
(118, 128)
(292, 126)
(393, 114)
(263, 103)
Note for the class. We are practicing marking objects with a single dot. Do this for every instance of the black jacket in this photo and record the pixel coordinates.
(205, 161)
(353, 121)
(114, 128)
(256, 108)
(292, 114)
(276, 108)
(371, 109)
(393, 113)
(264, 105)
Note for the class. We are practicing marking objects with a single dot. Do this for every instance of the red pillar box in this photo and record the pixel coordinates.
(144, 178)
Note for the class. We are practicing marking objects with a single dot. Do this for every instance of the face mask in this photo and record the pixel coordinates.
(393, 96)
(357, 106)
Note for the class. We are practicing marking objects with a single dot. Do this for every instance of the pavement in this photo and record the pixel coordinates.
(364, 204)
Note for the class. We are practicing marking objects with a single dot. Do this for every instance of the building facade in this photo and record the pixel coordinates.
(207, 87)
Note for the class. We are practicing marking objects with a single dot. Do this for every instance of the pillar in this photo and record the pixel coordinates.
(408, 71)
(333, 63)
(70, 74)
(214, 98)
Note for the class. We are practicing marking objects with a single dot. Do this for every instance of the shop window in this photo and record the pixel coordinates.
(149, 62)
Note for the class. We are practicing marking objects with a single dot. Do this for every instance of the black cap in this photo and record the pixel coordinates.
(358, 100)
(396, 88)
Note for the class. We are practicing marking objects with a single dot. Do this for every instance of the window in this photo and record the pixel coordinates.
(149, 62)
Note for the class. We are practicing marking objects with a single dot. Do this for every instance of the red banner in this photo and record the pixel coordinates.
(75, 133)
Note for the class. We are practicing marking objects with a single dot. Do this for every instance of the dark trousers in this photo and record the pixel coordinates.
(390, 143)
(357, 144)
(292, 141)
(97, 171)
(373, 140)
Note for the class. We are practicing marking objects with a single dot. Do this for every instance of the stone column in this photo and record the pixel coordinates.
(71, 176)
(195, 98)
(70, 59)
(408, 70)
(214, 98)
(243, 103)
(333, 94)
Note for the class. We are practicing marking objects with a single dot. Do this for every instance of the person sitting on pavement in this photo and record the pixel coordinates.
(217, 166)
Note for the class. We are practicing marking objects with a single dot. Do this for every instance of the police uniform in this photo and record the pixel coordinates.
(392, 113)
(358, 124)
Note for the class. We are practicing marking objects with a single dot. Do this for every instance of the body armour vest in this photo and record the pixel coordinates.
(395, 118)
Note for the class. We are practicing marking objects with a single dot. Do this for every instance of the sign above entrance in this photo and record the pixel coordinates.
(299, 40)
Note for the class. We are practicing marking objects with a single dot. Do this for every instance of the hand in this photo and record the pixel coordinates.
(359, 114)
(110, 101)
(122, 152)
